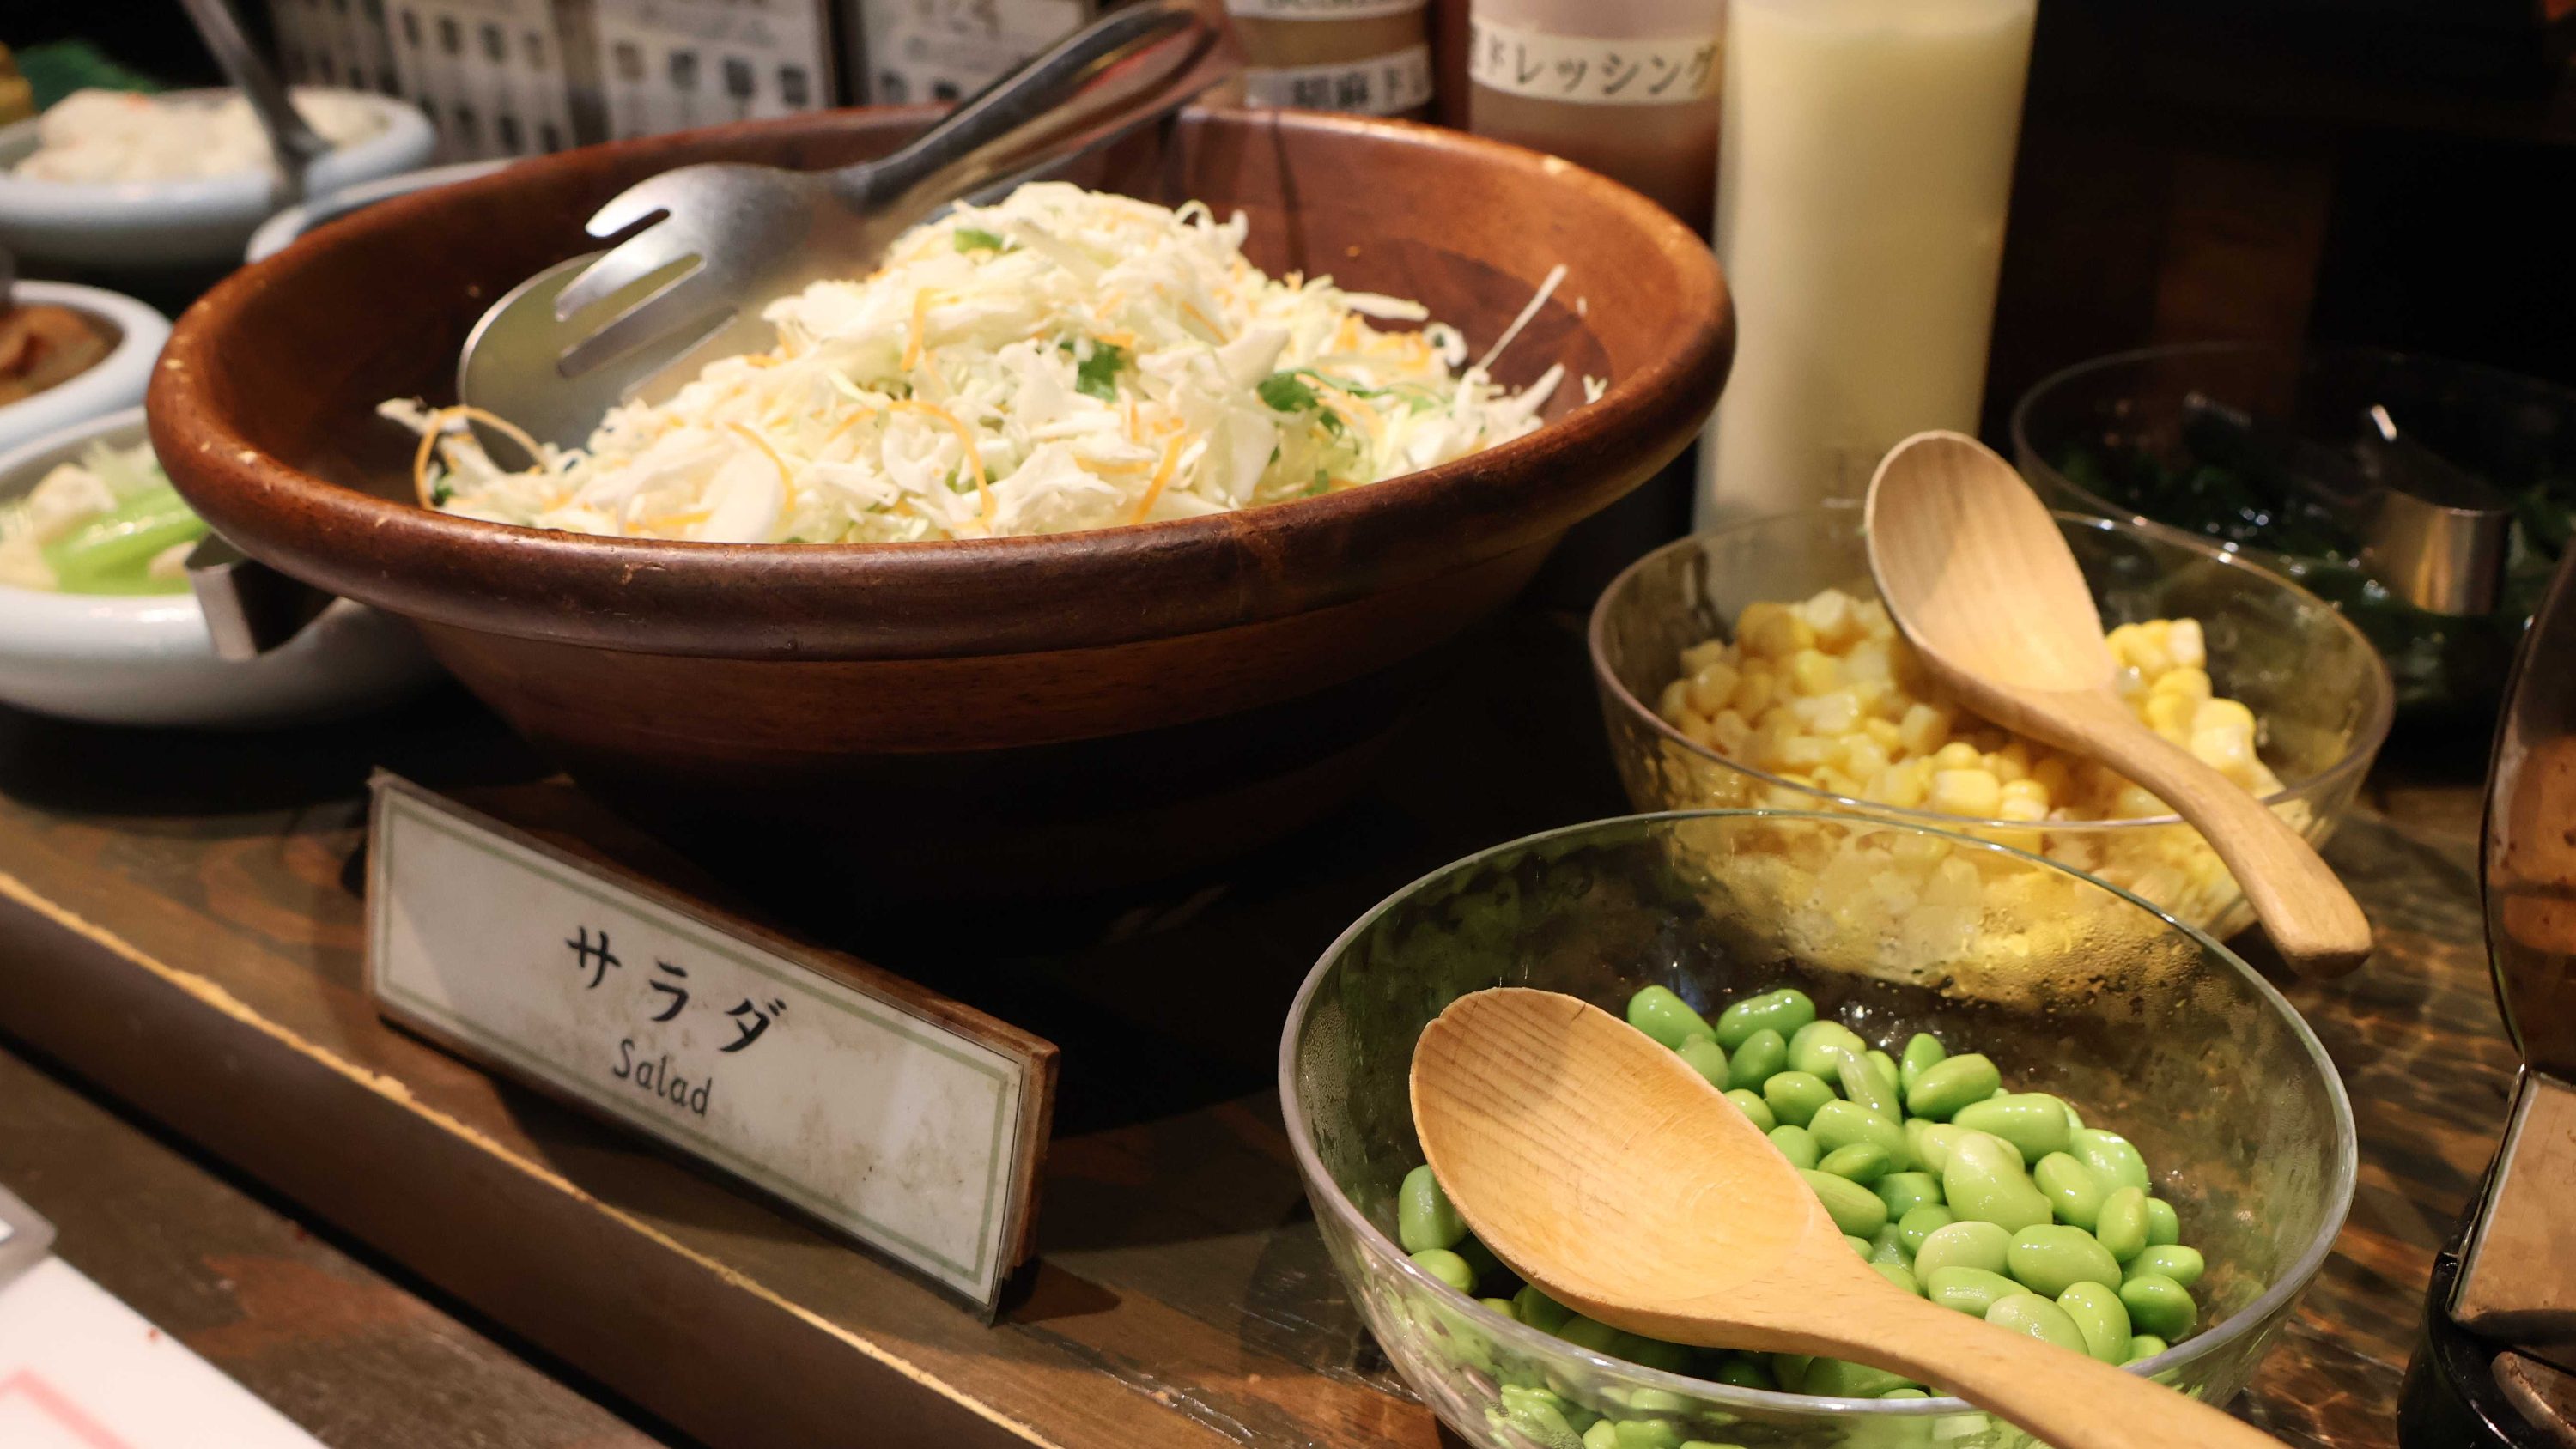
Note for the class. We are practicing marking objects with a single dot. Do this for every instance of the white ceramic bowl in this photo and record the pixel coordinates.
(113, 382)
(201, 220)
(147, 660)
(280, 231)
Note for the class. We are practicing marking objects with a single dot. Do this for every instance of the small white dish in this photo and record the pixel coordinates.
(147, 660)
(113, 382)
(190, 221)
(280, 231)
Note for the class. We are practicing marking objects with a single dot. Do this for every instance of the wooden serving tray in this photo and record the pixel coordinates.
(179, 924)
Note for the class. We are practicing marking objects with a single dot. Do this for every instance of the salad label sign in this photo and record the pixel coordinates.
(903, 1119)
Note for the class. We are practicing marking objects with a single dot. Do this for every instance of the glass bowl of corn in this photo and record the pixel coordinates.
(1753, 667)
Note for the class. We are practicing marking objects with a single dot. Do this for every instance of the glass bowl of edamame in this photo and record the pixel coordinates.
(2112, 1134)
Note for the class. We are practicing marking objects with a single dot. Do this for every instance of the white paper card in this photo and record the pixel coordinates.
(80, 1370)
(1587, 71)
(860, 1109)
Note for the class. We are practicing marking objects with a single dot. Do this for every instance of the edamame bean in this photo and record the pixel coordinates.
(1603, 1435)
(1923, 1051)
(1950, 1084)
(1840, 1124)
(2181, 1264)
(1705, 1057)
(1502, 1306)
(1903, 1394)
(1969, 1290)
(1900, 1275)
(1796, 1096)
(1448, 1267)
(1836, 1378)
(1646, 1434)
(1983, 1181)
(2050, 1258)
(1752, 1061)
(1964, 1244)
(1653, 1353)
(2028, 1313)
(2101, 1317)
(1744, 1373)
(1782, 1011)
(1423, 1216)
(1589, 1333)
(1538, 1415)
(1797, 1144)
(2163, 1225)
(1919, 1224)
(2034, 1122)
(2122, 1223)
(1532, 1306)
(1666, 1017)
(2074, 1190)
(1903, 1192)
(1789, 1370)
(2110, 1154)
(1752, 1105)
(2159, 1305)
(1885, 1246)
(1855, 1209)
(1862, 1162)
(2144, 1345)
(1817, 1046)
(1930, 1142)
(2074, 1119)
(1862, 1088)
(1859, 1245)
(1885, 1065)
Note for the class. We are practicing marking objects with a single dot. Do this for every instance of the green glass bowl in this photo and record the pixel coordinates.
(2149, 1027)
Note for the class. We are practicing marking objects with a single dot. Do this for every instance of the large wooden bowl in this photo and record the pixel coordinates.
(1077, 709)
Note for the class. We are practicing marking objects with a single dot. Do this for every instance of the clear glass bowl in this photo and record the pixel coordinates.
(2149, 1027)
(2319, 693)
(2106, 437)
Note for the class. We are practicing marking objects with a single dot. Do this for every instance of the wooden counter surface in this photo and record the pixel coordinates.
(178, 925)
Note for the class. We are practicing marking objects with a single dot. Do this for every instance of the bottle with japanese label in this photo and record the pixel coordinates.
(1863, 178)
(1368, 56)
(946, 50)
(1628, 88)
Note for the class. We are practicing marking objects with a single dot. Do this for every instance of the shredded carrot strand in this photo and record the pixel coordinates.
(920, 323)
(438, 421)
(786, 480)
(966, 438)
(1162, 475)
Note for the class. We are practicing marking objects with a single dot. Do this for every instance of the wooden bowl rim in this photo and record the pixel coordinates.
(218, 464)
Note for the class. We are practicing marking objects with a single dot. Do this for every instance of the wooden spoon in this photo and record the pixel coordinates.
(1602, 1168)
(1974, 570)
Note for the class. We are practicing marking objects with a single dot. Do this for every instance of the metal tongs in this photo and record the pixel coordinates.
(2432, 533)
(2517, 1283)
(558, 351)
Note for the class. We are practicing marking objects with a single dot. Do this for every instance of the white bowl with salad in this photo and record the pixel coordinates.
(97, 622)
(109, 179)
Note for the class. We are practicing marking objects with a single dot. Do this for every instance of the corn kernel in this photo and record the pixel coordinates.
(2010, 763)
(1831, 615)
(1875, 698)
(2227, 750)
(2020, 808)
(2134, 803)
(2213, 713)
(1874, 623)
(2054, 779)
(2187, 680)
(1924, 729)
(2027, 790)
(1802, 752)
(1958, 755)
(1699, 730)
(1712, 686)
(1862, 756)
(1885, 732)
(2122, 642)
(1869, 660)
(1897, 786)
(1673, 705)
(1729, 730)
(2147, 651)
(1835, 782)
(1700, 656)
(1966, 792)
(1812, 671)
(1920, 854)
(1754, 691)
(1833, 714)
(2190, 650)
(1772, 631)
(2170, 715)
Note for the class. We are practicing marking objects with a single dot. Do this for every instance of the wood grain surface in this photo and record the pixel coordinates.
(177, 923)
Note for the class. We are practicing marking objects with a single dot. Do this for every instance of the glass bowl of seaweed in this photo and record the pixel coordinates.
(2108, 437)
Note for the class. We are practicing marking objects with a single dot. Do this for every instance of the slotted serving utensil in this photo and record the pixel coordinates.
(296, 145)
(558, 351)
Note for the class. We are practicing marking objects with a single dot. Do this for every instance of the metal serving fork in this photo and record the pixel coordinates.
(573, 341)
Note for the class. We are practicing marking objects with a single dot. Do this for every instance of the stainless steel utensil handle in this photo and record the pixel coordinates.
(297, 145)
(1129, 66)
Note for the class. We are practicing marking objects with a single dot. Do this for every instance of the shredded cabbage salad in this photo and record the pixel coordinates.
(1062, 360)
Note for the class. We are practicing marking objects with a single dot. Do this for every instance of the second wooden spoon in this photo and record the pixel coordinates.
(1975, 572)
